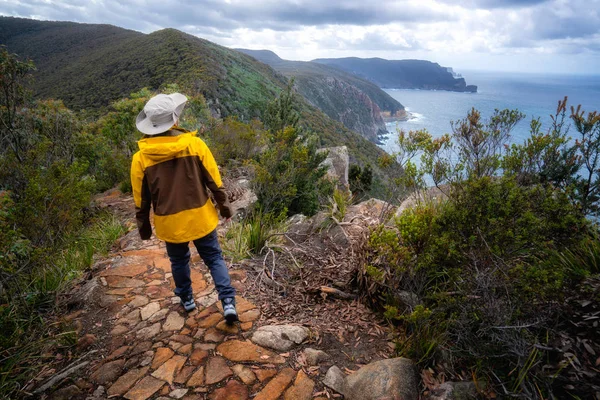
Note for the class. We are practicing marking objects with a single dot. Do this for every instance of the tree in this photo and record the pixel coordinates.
(587, 147)
(280, 113)
(288, 174)
(13, 96)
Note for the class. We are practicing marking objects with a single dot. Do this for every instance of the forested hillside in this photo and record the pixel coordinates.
(89, 66)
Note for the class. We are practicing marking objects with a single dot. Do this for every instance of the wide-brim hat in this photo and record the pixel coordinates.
(160, 113)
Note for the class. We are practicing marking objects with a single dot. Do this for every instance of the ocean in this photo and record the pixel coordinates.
(534, 95)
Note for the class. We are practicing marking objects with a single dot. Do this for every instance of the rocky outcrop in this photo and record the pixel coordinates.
(337, 163)
(392, 379)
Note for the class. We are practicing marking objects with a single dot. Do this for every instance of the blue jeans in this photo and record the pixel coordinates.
(210, 251)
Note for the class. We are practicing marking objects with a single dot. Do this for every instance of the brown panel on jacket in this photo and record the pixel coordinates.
(176, 185)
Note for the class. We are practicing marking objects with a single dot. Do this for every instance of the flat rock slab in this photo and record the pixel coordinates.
(125, 382)
(264, 374)
(159, 315)
(120, 291)
(210, 321)
(185, 374)
(163, 263)
(244, 373)
(232, 391)
(67, 393)
(148, 332)
(223, 326)
(217, 370)
(108, 372)
(197, 379)
(302, 389)
(125, 270)
(144, 389)
(238, 351)
(162, 354)
(118, 352)
(280, 337)
(148, 310)
(198, 356)
(212, 335)
(277, 385)
(123, 282)
(170, 368)
(140, 348)
(174, 322)
(178, 393)
(250, 316)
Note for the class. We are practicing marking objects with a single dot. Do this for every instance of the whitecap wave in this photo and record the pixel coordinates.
(415, 117)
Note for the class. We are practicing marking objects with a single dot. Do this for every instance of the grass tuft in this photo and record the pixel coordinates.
(25, 312)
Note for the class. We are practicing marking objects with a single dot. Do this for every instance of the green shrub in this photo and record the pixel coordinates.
(24, 333)
(476, 279)
(250, 236)
(338, 204)
(234, 141)
(288, 174)
(360, 180)
(47, 178)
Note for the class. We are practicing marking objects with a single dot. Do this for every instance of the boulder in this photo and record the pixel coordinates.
(337, 163)
(66, 393)
(455, 391)
(433, 194)
(314, 357)
(280, 337)
(336, 380)
(392, 379)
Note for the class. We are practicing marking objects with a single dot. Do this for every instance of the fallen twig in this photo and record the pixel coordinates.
(60, 376)
(337, 293)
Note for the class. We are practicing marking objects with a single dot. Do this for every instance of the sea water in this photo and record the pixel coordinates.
(536, 96)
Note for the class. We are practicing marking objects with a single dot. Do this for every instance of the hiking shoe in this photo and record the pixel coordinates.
(188, 303)
(229, 311)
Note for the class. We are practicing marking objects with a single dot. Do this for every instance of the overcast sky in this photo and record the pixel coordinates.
(508, 35)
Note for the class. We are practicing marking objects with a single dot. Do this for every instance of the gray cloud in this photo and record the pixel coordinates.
(484, 26)
(497, 4)
(281, 15)
(547, 24)
(491, 4)
(380, 41)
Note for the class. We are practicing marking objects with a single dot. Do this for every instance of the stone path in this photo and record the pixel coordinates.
(138, 343)
(155, 350)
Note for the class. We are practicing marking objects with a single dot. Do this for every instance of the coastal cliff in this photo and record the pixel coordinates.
(402, 74)
(355, 102)
(345, 103)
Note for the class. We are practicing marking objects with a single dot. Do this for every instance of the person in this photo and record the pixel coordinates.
(171, 172)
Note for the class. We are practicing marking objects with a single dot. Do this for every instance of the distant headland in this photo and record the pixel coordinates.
(402, 74)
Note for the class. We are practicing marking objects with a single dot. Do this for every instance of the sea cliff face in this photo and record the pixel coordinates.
(345, 103)
(355, 102)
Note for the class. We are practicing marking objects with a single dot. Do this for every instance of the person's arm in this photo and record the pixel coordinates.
(141, 197)
(212, 179)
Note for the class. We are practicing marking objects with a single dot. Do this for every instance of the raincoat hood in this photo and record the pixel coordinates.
(162, 148)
